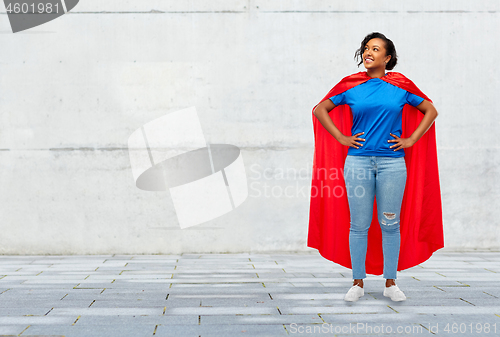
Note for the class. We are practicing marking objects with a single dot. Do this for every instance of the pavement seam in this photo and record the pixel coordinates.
(284, 326)
(490, 294)
(393, 309)
(426, 328)
(76, 320)
(24, 330)
(467, 301)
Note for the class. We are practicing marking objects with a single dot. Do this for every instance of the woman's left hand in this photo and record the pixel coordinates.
(401, 143)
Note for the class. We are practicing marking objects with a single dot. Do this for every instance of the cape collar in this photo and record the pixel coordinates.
(392, 77)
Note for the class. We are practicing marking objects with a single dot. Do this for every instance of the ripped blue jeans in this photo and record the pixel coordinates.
(365, 177)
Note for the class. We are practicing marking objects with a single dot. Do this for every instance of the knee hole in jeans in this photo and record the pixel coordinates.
(383, 222)
(388, 216)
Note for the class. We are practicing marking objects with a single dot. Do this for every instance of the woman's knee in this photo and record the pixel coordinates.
(360, 227)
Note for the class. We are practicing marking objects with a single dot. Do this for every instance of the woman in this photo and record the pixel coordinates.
(375, 167)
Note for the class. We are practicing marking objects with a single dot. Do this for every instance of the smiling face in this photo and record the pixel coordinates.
(374, 55)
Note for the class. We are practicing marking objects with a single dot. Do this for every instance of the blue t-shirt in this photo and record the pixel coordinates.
(377, 109)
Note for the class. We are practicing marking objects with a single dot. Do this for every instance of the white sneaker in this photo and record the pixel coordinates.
(394, 293)
(354, 293)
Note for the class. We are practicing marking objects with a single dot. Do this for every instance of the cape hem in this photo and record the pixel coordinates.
(422, 259)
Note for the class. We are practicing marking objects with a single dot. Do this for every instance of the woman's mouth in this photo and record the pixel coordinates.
(368, 60)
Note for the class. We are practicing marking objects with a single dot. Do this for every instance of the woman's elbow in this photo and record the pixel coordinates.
(431, 111)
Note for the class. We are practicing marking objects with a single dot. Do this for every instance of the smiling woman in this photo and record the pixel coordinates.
(381, 112)
(375, 50)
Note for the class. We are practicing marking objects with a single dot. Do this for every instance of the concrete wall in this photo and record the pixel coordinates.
(74, 89)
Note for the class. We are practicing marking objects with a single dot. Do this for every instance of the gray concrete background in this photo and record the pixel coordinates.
(74, 89)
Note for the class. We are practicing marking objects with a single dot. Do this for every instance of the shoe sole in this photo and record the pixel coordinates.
(404, 299)
(352, 300)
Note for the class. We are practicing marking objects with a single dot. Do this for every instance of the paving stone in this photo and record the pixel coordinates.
(213, 288)
(392, 317)
(240, 302)
(30, 320)
(467, 320)
(220, 310)
(361, 308)
(328, 275)
(139, 320)
(472, 310)
(27, 311)
(221, 330)
(157, 303)
(47, 304)
(94, 331)
(259, 319)
(309, 296)
(254, 296)
(13, 330)
(106, 311)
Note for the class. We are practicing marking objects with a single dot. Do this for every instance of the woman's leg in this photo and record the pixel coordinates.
(360, 187)
(390, 186)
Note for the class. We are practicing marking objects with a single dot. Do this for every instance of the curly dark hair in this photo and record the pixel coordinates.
(389, 47)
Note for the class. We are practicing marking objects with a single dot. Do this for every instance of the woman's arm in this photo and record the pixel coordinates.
(321, 112)
(430, 112)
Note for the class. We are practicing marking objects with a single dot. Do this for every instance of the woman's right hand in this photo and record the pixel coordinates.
(351, 141)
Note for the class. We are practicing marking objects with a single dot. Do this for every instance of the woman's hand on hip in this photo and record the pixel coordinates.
(351, 141)
(401, 143)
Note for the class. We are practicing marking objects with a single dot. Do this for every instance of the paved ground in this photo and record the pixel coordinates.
(243, 294)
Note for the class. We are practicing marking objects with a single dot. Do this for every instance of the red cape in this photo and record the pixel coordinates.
(421, 211)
